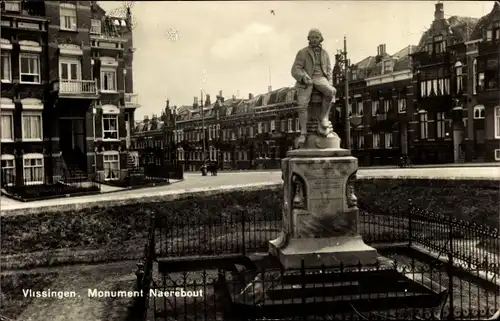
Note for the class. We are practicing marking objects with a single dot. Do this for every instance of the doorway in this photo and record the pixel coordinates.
(72, 141)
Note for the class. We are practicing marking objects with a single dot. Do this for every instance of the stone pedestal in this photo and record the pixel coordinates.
(320, 214)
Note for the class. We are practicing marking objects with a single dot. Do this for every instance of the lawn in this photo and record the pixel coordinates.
(13, 302)
(114, 276)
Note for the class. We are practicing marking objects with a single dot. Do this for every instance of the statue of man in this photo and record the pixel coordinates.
(312, 69)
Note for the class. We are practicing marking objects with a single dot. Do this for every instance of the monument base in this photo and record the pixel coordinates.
(318, 252)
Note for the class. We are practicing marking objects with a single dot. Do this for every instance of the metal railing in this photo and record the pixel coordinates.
(77, 86)
(40, 186)
(131, 99)
(473, 244)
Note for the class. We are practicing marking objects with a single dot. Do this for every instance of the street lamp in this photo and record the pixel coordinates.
(345, 62)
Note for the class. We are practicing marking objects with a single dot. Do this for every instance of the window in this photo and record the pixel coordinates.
(388, 140)
(273, 125)
(439, 44)
(423, 126)
(297, 125)
(95, 27)
(458, 75)
(479, 112)
(29, 71)
(259, 128)
(474, 77)
(108, 79)
(111, 166)
(282, 125)
(440, 127)
(250, 132)
(110, 126)
(32, 126)
(289, 125)
(360, 108)
(496, 31)
(375, 105)
(33, 169)
(8, 169)
(497, 154)
(497, 122)
(488, 78)
(67, 13)
(402, 105)
(7, 127)
(361, 141)
(387, 105)
(6, 66)
(376, 140)
(12, 6)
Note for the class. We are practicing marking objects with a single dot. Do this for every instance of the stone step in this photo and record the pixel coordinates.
(288, 291)
(337, 305)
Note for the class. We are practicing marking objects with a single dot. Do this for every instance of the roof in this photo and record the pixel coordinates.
(459, 29)
(149, 125)
(485, 21)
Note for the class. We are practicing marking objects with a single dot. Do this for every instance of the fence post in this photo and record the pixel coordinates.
(450, 268)
(243, 239)
(410, 223)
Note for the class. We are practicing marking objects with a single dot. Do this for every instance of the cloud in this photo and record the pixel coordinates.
(250, 43)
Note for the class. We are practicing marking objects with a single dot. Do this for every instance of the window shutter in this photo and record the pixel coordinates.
(98, 123)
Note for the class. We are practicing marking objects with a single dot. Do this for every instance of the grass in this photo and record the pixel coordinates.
(13, 302)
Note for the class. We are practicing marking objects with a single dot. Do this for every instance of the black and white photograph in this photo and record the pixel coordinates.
(249, 160)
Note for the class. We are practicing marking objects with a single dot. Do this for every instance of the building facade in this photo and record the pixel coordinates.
(26, 146)
(66, 91)
(380, 102)
(482, 54)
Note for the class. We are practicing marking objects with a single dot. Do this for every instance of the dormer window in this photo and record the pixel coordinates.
(495, 31)
(386, 67)
(95, 27)
(439, 44)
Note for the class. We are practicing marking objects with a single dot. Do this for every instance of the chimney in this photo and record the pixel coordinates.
(195, 101)
(250, 96)
(269, 88)
(439, 11)
(220, 93)
(146, 118)
(234, 97)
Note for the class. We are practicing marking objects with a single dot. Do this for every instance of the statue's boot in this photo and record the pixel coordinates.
(302, 139)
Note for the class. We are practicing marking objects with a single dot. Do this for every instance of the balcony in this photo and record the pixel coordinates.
(85, 89)
(132, 101)
(488, 47)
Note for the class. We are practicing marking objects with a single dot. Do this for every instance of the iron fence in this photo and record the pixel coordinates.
(409, 290)
(35, 184)
(474, 246)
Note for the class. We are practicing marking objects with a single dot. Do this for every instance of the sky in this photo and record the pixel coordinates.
(242, 47)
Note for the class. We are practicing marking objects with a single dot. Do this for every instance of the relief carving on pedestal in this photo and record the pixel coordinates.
(351, 199)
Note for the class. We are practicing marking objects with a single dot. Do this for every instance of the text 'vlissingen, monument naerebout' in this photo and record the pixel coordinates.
(94, 293)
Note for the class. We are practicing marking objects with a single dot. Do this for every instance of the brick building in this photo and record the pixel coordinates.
(26, 147)
(380, 101)
(439, 135)
(482, 55)
(70, 98)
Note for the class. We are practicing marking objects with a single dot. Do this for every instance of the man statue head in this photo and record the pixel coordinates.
(315, 37)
